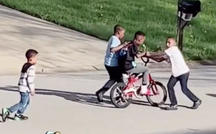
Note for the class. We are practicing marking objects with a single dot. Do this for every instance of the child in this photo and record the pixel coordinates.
(26, 86)
(111, 61)
(180, 72)
(130, 65)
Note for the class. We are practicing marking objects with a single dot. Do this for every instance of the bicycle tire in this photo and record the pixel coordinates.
(119, 101)
(159, 86)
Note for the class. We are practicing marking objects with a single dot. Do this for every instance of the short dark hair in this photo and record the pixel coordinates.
(31, 53)
(139, 33)
(118, 28)
(170, 37)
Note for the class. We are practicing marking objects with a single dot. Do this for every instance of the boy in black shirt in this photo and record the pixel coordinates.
(130, 65)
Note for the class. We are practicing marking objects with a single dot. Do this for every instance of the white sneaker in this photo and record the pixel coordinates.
(144, 89)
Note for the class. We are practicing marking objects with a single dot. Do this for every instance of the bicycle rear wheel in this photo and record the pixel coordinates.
(158, 94)
(117, 97)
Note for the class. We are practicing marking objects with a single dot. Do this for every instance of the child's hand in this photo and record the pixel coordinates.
(32, 93)
(125, 44)
(148, 54)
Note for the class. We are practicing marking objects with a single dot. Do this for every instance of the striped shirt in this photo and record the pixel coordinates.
(26, 81)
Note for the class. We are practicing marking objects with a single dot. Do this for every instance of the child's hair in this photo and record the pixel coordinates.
(139, 33)
(170, 38)
(118, 28)
(31, 53)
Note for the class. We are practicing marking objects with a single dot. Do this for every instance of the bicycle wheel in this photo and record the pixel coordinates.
(117, 96)
(159, 94)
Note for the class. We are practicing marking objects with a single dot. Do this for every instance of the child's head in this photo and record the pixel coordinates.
(119, 31)
(31, 56)
(170, 42)
(139, 38)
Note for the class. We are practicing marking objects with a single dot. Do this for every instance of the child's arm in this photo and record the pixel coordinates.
(115, 49)
(30, 80)
(158, 56)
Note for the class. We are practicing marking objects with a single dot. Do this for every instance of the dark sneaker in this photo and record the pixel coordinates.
(20, 117)
(196, 104)
(172, 107)
(99, 96)
(5, 114)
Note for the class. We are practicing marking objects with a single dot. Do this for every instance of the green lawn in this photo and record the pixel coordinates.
(157, 18)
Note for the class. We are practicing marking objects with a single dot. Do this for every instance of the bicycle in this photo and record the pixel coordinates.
(121, 94)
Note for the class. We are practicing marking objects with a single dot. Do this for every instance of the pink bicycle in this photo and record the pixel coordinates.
(122, 94)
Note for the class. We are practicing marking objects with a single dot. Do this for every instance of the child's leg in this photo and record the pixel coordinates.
(145, 76)
(170, 85)
(16, 106)
(114, 76)
(112, 71)
(141, 69)
(25, 99)
(183, 81)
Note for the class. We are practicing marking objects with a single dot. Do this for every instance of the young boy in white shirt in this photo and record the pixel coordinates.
(25, 86)
(180, 72)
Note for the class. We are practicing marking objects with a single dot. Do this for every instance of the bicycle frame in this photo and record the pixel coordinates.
(131, 90)
(154, 87)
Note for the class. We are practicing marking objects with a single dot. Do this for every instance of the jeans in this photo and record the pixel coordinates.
(141, 69)
(22, 105)
(115, 75)
(183, 79)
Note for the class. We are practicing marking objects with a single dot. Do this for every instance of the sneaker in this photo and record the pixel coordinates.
(172, 107)
(144, 90)
(196, 104)
(5, 114)
(20, 117)
(99, 96)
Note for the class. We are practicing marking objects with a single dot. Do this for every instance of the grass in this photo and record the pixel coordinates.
(157, 18)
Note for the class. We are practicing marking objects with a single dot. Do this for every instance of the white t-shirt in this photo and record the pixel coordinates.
(179, 66)
(111, 59)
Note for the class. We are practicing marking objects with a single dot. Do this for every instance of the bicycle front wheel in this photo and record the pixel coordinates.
(117, 97)
(158, 94)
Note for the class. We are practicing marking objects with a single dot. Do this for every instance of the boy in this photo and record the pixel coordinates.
(26, 86)
(180, 72)
(130, 65)
(111, 61)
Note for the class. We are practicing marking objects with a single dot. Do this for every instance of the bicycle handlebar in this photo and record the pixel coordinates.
(145, 59)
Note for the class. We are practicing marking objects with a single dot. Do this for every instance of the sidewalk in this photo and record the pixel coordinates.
(61, 49)
(67, 102)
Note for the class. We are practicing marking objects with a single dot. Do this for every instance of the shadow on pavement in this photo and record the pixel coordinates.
(212, 95)
(84, 98)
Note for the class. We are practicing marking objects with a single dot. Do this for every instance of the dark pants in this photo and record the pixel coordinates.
(183, 79)
(115, 75)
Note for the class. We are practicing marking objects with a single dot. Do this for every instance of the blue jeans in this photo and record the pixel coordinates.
(22, 105)
(183, 79)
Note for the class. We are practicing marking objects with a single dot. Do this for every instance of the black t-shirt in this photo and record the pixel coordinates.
(131, 53)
